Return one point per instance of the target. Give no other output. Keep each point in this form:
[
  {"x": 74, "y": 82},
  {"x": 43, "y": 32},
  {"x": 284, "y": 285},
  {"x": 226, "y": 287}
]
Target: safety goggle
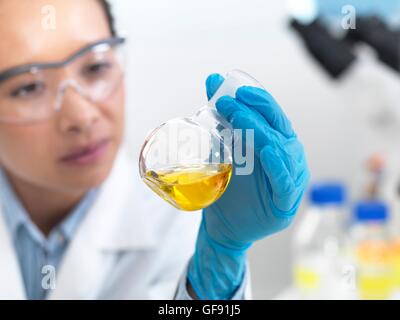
[{"x": 34, "y": 92}]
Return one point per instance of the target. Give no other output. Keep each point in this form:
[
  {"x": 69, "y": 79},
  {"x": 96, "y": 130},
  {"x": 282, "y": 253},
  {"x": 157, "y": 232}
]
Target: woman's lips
[{"x": 87, "y": 154}]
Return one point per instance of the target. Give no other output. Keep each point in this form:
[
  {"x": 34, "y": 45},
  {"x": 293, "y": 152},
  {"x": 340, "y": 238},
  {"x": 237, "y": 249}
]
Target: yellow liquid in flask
[{"x": 190, "y": 187}]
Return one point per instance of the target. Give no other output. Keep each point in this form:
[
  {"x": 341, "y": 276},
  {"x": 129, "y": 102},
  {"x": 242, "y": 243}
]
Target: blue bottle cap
[
  {"x": 328, "y": 193},
  {"x": 371, "y": 210}
]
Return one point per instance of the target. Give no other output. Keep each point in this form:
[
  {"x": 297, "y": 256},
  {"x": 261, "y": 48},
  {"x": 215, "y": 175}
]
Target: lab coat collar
[{"x": 10, "y": 276}]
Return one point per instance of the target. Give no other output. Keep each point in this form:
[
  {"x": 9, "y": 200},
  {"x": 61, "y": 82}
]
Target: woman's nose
[{"x": 77, "y": 114}]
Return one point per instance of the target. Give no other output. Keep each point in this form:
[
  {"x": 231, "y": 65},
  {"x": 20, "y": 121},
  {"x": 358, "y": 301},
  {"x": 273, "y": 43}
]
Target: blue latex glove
[{"x": 253, "y": 206}]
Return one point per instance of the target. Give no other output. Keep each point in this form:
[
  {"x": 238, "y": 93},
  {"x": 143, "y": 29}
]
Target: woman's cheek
[{"x": 26, "y": 149}]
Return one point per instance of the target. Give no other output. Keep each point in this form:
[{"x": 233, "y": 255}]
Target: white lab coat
[{"x": 130, "y": 245}]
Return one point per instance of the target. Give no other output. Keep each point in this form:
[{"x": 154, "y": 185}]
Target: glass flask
[{"x": 188, "y": 161}]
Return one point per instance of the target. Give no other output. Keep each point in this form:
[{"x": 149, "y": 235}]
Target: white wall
[{"x": 175, "y": 44}]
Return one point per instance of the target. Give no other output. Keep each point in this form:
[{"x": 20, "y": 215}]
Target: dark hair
[{"x": 110, "y": 18}]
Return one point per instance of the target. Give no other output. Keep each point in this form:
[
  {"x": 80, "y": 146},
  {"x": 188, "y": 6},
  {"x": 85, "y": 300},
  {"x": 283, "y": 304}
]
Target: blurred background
[{"x": 338, "y": 83}]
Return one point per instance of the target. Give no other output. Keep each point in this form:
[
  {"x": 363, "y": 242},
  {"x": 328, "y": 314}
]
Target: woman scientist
[{"x": 76, "y": 221}]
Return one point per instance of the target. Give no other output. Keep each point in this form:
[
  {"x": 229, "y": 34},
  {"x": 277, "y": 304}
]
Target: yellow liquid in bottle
[
  {"x": 190, "y": 187},
  {"x": 375, "y": 274}
]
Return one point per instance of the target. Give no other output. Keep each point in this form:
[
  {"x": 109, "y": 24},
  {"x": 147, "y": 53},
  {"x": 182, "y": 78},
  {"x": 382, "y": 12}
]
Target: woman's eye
[
  {"x": 27, "y": 90},
  {"x": 97, "y": 68}
]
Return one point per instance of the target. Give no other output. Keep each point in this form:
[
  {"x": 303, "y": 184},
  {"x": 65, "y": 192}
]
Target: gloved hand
[{"x": 253, "y": 206}]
